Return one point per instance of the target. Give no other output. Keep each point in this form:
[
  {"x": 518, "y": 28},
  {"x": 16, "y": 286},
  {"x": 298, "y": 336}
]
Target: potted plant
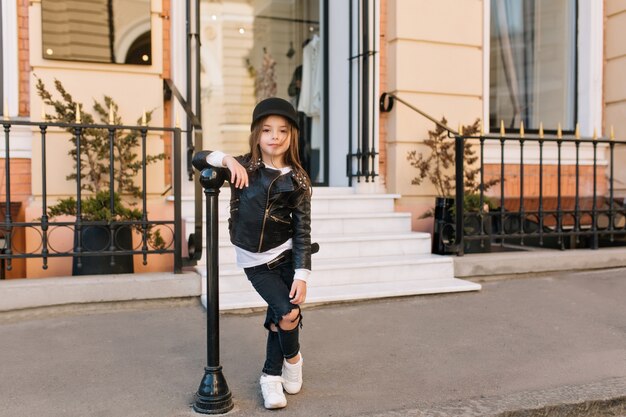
[
  {"x": 438, "y": 168},
  {"x": 95, "y": 174}
]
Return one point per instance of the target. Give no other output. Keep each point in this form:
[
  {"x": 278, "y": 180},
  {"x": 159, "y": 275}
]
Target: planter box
[
  {"x": 98, "y": 238},
  {"x": 444, "y": 229}
]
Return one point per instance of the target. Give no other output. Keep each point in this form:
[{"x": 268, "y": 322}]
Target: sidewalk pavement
[{"x": 517, "y": 344}]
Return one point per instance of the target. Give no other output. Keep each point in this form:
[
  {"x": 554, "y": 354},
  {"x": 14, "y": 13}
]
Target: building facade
[{"x": 463, "y": 60}]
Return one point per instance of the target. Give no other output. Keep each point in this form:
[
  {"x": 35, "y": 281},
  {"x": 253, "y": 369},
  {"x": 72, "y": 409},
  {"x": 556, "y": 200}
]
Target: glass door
[{"x": 256, "y": 49}]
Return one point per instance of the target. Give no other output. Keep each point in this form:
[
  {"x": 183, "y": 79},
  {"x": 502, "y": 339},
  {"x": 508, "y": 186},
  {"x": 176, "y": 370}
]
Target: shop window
[
  {"x": 533, "y": 63},
  {"x": 109, "y": 31},
  {"x": 257, "y": 50}
]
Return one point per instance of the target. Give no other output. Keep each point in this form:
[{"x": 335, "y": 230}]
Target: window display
[{"x": 257, "y": 49}]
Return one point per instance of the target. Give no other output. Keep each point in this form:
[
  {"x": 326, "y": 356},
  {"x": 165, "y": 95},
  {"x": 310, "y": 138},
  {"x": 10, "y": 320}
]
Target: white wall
[{"x": 339, "y": 50}]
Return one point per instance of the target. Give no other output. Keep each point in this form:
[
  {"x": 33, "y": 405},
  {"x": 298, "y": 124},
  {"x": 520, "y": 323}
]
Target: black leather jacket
[{"x": 272, "y": 209}]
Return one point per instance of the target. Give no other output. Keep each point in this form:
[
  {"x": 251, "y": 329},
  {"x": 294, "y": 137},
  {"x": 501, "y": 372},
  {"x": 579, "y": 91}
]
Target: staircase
[{"x": 366, "y": 251}]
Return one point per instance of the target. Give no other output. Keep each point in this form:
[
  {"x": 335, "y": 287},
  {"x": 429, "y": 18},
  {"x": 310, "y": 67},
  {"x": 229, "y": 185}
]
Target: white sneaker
[
  {"x": 272, "y": 389},
  {"x": 292, "y": 376}
]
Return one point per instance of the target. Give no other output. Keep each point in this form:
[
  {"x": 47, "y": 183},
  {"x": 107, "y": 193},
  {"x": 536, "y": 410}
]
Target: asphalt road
[{"x": 515, "y": 344}]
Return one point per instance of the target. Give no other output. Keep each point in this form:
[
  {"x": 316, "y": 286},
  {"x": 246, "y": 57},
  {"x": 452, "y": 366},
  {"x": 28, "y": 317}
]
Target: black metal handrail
[
  {"x": 387, "y": 100},
  {"x": 45, "y": 226},
  {"x": 385, "y": 104},
  {"x": 194, "y": 243}
]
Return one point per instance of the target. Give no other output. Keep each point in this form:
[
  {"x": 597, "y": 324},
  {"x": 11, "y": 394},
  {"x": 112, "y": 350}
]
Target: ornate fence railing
[
  {"x": 563, "y": 200},
  {"x": 552, "y": 190},
  {"x": 150, "y": 236}
]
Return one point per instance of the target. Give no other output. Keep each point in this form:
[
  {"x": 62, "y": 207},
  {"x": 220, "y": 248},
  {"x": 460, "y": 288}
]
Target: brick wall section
[
  {"x": 20, "y": 179},
  {"x": 167, "y": 71},
  {"x": 550, "y": 183},
  {"x": 382, "y": 127},
  {"x": 23, "y": 58}
]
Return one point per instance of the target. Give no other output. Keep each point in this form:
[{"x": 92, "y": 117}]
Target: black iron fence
[
  {"x": 151, "y": 237},
  {"x": 564, "y": 200},
  {"x": 567, "y": 202}
]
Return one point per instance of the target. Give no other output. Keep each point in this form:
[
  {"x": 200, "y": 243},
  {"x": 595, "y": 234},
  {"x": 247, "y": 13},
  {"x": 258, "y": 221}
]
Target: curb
[
  {"x": 611, "y": 407},
  {"x": 537, "y": 261},
  {"x": 587, "y": 400},
  {"x": 23, "y": 294}
]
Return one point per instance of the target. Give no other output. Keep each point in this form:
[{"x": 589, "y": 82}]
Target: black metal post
[
  {"x": 372, "y": 54},
  {"x": 213, "y": 396},
  {"x": 178, "y": 252},
  {"x": 44, "y": 203},
  {"x": 8, "y": 222},
  {"x": 541, "y": 191},
  {"x": 112, "y": 227},
  {"x": 144, "y": 200},
  {"x": 612, "y": 152},
  {"x": 577, "y": 198},
  {"x": 459, "y": 148},
  {"x": 522, "y": 214},
  {"x": 594, "y": 210},
  {"x": 481, "y": 210},
  {"x": 350, "y": 65},
  {"x": 365, "y": 81},
  {"x": 79, "y": 213},
  {"x": 559, "y": 213},
  {"x": 188, "y": 96},
  {"x": 502, "y": 189}
]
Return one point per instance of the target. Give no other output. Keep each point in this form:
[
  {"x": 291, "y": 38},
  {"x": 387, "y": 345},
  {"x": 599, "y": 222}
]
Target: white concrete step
[
  {"x": 322, "y": 202},
  {"x": 354, "y": 203},
  {"x": 353, "y": 279},
  {"x": 322, "y": 294},
  {"x": 353, "y": 271},
  {"x": 366, "y": 251},
  {"x": 332, "y": 224},
  {"x": 349, "y": 246}
]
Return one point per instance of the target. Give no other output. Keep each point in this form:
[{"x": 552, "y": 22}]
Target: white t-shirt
[{"x": 247, "y": 259}]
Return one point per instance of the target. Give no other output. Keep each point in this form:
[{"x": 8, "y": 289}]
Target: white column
[
  {"x": 179, "y": 77},
  {"x": 590, "y": 61},
  {"x": 20, "y": 135},
  {"x": 338, "y": 116},
  {"x": 10, "y": 73}
]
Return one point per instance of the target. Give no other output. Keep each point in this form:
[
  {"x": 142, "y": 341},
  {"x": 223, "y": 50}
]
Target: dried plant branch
[{"x": 437, "y": 166}]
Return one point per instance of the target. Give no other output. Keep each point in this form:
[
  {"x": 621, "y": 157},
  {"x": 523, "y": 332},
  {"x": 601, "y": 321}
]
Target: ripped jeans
[{"x": 274, "y": 285}]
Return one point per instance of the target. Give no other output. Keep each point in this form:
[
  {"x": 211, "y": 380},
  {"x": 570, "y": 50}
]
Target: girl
[{"x": 270, "y": 226}]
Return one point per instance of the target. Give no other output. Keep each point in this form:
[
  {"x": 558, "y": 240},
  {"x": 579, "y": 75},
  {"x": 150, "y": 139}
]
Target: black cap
[{"x": 275, "y": 106}]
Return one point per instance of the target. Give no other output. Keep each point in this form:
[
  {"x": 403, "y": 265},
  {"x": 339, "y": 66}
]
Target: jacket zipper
[
  {"x": 267, "y": 211},
  {"x": 276, "y": 219}
]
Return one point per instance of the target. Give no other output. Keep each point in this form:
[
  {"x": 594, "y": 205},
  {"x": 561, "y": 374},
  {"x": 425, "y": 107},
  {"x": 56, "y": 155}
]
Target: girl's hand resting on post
[
  {"x": 298, "y": 292},
  {"x": 238, "y": 174}
]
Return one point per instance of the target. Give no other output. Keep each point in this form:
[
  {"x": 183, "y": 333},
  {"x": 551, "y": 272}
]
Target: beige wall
[
  {"x": 133, "y": 87},
  {"x": 435, "y": 62},
  {"x": 615, "y": 81}
]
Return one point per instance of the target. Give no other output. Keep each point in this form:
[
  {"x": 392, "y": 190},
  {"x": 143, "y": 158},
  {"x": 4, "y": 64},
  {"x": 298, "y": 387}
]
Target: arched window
[{"x": 140, "y": 51}]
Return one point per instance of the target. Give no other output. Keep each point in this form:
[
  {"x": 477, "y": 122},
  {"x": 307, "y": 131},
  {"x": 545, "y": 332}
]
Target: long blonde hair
[{"x": 292, "y": 157}]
